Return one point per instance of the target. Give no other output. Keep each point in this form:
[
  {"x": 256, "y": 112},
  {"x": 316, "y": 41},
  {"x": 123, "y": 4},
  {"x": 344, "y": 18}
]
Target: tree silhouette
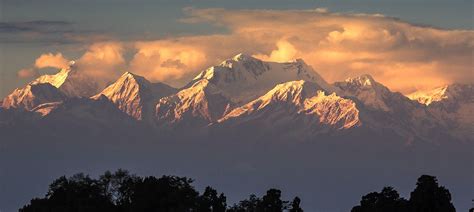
[
  {"x": 429, "y": 196},
  {"x": 295, "y": 205},
  {"x": 168, "y": 193},
  {"x": 472, "y": 209},
  {"x": 209, "y": 201},
  {"x": 271, "y": 202},
  {"x": 123, "y": 192},
  {"x": 387, "y": 200},
  {"x": 119, "y": 187},
  {"x": 246, "y": 205},
  {"x": 76, "y": 194}
]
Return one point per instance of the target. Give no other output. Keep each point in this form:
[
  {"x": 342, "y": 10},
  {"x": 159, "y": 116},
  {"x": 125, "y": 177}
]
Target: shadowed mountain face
[{"x": 267, "y": 123}]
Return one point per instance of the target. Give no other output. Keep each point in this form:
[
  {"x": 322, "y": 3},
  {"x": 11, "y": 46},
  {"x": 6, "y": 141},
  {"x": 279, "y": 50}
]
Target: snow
[
  {"x": 452, "y": 105},
  {"x": 243, "y": 77},
  {"x": 135, "y": 95},
  {"x": 56, "y": 80},
  {"x": 429, "y": 97},
  {"x": 247, "y": 91},
  {"x": 303, "y": 101},
  {"x": 201, "y": 103},
  {"x": 367, "y": 90},
  {"x": 234, "y": 82},
  {"x": 31, "y": 96},
  {"x": 71, "y": 82}
]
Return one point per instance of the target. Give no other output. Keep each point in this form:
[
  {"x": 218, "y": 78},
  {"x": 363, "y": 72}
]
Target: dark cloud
[
  {"x": 42, "y": 26},
  {"x": 47, "y": 32}
]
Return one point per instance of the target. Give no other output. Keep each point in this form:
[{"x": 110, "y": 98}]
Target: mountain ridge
[{"x": 244, "y": 89}]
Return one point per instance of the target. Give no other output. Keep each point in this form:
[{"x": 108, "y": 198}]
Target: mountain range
[{"x": 247, "y": 96}]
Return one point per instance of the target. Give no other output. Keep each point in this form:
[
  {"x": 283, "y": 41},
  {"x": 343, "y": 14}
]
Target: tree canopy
[
  {"x": 428, "y": 196},
  {"x": 123, "y": 192}
]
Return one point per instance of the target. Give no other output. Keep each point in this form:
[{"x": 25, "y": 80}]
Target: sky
[{"x": 406, "y": 45}]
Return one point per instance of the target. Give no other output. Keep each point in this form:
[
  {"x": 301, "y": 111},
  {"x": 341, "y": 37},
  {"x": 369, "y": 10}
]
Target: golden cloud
[
  {"x": 103, "y": 61},
  {"x": 166, "y": 61},
  {"x": 50, "y": 60},
  {"x": 339, "y": 45},
  {"x": 403, "y": 56},
  {"x": 285, "y": 52}
]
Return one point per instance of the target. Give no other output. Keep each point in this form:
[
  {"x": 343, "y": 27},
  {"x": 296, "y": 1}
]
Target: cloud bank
[
  {"x": 401, "y": 55},
  {"x": 50, "y": 60},
  {"x": 104, "y": 60},
  {"x": 46, "y": 60}
]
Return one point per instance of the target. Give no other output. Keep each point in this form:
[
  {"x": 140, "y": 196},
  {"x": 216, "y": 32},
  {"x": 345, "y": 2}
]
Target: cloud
[
  {"x": 46, "y": 60},
  {"x": 176, "y": 61},
  {"x": 27, "y": 73},
  {"x": 402, "y": 55},
  {"x": 48, "y": 32},
  {"x": 51, "y": 60},
  {"x": 103, "y": 61},
  {"x": 166, "y": 61},
  {"x": 285, "y": 52},
  {"x": 38, "y": 25}
]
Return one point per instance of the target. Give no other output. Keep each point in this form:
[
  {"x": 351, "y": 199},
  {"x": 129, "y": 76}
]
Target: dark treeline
[
  {"x": 428, "y": 196},
  {"x": 124, "y": 192}
]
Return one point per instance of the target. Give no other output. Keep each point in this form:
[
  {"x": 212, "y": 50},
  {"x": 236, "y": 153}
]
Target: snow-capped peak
[
  {"x": 293, "y": 91},
  {"x": 135, "y": 95},
  {"x": 196, "y": 106},
  {"x": 71, "y": 82},
  {"x": 452, "y": 105},
  {"x": 55, "y": 80},
  {"x": 367, "y": 90},
  {"x": 243, "y": 77},
  {"x": 243, "y": 57},
  {"x": 297, "y": 103},
  {"x": 443, "y": 93},
  {"x": 32, "y": 95},
  {"x": 365, "y": 80},
  {"x": 131, "y": 78}
]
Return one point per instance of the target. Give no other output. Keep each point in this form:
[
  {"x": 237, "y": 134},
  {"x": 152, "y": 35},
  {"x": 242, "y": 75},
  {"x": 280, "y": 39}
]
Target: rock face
[{"x": 135, "y": 95}]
